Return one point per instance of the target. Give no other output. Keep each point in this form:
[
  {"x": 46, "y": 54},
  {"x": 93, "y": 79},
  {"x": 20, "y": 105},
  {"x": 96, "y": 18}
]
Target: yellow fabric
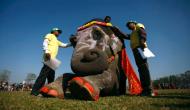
[
  {"x": 53, "y": 44},
  {"x": 94, "y": 22},
  {"x": 97, "y": 22},
  {"x": 134, "y": 38},
  {"x": 140, "y": 25},
  {"x": 109, "y": 24}
]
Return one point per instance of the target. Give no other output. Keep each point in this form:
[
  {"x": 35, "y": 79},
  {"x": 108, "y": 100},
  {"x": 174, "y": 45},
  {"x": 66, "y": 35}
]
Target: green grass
[{"x": 166, "y": 100}]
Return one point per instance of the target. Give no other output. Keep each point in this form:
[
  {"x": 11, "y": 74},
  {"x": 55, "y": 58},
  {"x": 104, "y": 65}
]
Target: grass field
[{"x": 166, "y": 100}]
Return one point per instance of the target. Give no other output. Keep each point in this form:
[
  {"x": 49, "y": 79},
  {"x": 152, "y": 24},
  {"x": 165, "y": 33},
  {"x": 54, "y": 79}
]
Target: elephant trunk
[{"x": 89, "y": 62}]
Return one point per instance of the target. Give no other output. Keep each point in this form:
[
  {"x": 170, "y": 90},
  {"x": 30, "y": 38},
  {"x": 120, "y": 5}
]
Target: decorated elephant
[{"x": 99, "y": 62}]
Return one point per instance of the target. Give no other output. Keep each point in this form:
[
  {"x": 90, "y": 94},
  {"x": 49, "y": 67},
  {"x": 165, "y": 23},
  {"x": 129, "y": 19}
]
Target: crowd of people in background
[
  {"x": 170, "y": 85},
  {"x": 6, "y": 86},
  {"x": 165, "y": 86},
  {"x": 178, "y": 81}
]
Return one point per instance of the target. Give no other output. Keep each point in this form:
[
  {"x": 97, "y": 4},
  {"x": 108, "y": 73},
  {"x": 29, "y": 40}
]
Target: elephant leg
[
  {"x": 107, "y": 82},
  {"x": 82, "y": 88},
  {"x": 91, "y": 87},
  {"x": 122, "y": 84},
  {"x": 66, "y": 78}
]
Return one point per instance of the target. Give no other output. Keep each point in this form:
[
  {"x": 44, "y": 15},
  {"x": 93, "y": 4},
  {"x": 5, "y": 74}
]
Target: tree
[
  {"x": 5, "y": 75},
  {"x": 30, "y": 77}
]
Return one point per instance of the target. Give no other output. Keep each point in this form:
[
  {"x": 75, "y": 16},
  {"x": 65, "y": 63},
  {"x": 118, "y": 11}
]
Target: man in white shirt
[{"x": 50, "y": 46}]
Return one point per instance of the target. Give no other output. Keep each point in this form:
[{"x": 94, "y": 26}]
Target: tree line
[{"x": 178, "y": 81}]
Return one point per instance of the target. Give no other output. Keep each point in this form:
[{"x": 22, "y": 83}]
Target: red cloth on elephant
[{"x": 135, "y": 87}]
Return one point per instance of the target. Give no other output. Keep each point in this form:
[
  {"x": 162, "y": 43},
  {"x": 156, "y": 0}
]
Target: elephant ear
[{"x": 115, "y": 44}]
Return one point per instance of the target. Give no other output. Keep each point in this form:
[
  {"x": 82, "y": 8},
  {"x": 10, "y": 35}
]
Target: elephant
[{"x": 96, "y": 62}]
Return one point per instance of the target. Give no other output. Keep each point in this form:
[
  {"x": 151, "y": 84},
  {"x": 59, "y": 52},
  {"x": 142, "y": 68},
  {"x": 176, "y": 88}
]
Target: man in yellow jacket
[
  {"x": 138, "y": 41},
  {"x": 50, "y": 46}
]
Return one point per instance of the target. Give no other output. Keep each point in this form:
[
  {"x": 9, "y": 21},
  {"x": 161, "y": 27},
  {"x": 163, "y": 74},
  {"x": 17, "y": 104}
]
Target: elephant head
[{"x": 94, "y": 46}]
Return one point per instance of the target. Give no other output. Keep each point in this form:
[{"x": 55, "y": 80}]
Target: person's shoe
[
  {"x": 34, "y": 94},
  {"x": 145, "y": 93},
  {"x": 39, "y": 95},
  {"x": 151, "y": 94},
  {"x": 154, "y": 93}
]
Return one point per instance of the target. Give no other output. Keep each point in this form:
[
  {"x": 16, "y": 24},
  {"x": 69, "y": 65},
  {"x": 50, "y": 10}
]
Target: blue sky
[{"x": 23, "y": 23}]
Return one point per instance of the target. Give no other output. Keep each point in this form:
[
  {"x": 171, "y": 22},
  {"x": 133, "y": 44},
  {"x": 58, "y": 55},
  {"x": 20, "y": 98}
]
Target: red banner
[{"x": 135, "y": 87}]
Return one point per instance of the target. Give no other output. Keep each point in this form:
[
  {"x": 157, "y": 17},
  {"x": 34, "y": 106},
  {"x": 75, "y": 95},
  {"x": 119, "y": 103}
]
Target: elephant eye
[{"x": 97, "y": 35}]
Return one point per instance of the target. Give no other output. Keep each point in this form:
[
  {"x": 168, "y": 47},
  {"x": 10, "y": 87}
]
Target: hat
[
  {"x": 56, "y": 29},
  {"x": 140, "y": 25},
  {"x": 130, "y": 22}
]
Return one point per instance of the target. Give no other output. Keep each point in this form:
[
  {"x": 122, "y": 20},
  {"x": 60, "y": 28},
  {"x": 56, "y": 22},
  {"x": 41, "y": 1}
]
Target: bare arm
[{"x": 64, "y": 45}]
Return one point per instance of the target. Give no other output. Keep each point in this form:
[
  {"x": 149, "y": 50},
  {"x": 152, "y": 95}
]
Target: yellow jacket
[
  {"x": 51, "y": 45},
  {"x": 136, "y": 36}
]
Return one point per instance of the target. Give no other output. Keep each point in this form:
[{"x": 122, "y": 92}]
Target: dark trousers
[
  {"x": 144, "y": 73},
  {"x": 46, "y": 72}
]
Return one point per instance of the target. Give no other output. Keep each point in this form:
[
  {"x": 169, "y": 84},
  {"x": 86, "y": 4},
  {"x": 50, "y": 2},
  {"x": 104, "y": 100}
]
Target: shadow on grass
[
  {"x": 69, "y": 96},
  {"x": 173, "y": 106},
  {"x": 173, "y": 96}
]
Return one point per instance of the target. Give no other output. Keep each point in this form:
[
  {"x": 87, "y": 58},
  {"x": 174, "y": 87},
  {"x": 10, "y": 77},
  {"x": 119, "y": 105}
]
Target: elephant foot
[
  {"x": 82, "y": 89},
  {"x": 47, "y": 92}
]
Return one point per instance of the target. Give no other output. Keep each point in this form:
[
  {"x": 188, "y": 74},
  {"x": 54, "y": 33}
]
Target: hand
[
  {"x": 73, "y": 40},
  {"x": 47, "y": 56},
  {"x": 112, "y": 58},
  {"x": 143, "y": 43}
]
